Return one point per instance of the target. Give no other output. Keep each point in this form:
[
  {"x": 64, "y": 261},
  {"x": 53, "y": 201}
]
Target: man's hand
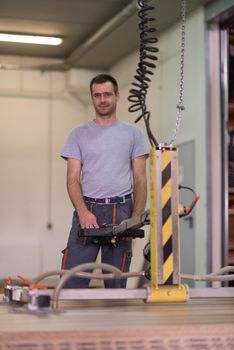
[{"x": 88, "y": 220}]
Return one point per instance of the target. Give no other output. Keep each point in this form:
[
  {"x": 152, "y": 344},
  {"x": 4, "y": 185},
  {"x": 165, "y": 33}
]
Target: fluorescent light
[{"x": 30, "y": 39}]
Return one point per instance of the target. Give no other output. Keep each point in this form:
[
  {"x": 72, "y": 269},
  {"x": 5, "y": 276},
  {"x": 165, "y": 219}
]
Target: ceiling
[{"x": 96, "y": 33}]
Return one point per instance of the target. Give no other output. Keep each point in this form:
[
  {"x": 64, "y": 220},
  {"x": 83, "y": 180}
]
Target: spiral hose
[{"x": 145, "y": 66}]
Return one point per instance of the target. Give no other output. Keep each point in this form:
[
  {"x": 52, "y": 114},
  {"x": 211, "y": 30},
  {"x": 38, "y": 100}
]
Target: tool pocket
[
  {"x": 64, "y": 258},
  {"x": 126, "y": 261}
]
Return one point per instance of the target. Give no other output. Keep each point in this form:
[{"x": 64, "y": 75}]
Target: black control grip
[{"x": 108, "y": 232}]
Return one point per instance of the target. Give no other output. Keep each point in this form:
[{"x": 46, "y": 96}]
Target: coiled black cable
[{"x": 145, "y": 68}]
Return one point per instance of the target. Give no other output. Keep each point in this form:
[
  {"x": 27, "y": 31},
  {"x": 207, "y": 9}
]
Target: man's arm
[
  {"x": 87, "y": 219},
  {"x": 139, "y": 185}
]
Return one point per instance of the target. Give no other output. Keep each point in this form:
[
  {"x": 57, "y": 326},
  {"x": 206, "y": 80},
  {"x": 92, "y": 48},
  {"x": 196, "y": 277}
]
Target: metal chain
[{"x": 180, "y": 106}]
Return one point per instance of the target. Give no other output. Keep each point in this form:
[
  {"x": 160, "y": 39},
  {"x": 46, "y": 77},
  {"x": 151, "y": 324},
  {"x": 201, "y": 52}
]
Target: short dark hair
[{"x": 103, "y": 78}]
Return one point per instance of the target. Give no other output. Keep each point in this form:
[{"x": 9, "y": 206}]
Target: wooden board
[{"x": 115, "y": 325}]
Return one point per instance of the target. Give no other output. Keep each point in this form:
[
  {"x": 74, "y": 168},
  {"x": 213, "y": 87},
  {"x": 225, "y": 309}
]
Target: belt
[{"x": 112, "y": 200}]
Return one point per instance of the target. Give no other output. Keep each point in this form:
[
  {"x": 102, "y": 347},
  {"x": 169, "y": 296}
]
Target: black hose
[{"x": 145, "y": 68}]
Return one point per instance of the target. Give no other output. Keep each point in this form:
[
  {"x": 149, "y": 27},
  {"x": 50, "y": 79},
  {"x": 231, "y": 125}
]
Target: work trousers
[{"x": 82, "y": 250}]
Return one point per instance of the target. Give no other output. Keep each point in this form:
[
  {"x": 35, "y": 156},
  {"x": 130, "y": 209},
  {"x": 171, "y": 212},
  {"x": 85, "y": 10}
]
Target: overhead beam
[{"x": 102, "y": 32}]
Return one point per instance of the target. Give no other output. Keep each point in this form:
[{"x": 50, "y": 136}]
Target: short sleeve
[
  {"x": 71, "y": 148},
  {"x": 141, "y": 144}
]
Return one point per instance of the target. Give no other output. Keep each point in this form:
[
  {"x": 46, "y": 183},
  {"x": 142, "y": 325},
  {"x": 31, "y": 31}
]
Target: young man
[{"x": 106, "y": 181}]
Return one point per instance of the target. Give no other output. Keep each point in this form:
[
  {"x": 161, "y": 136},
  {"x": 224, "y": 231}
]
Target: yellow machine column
[{"x": 164, "y": 227}]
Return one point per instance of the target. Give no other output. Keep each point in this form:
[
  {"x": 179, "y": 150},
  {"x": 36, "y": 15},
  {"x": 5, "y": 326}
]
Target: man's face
[{"x": 104, "y": 99}]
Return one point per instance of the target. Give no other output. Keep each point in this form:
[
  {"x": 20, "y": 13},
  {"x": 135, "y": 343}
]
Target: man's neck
[{"x": 105, "y": 121}]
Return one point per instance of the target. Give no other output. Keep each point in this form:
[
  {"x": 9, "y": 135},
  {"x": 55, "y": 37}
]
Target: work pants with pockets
[{"x": 82, "y": 250}]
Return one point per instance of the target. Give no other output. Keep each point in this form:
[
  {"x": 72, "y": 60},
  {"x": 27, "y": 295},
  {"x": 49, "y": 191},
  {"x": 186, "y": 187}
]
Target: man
[{"x": 106, "y": 167}]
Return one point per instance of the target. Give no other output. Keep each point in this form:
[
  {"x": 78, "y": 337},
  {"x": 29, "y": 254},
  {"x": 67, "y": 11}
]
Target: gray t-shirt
[{"x": 106, "y": 153}]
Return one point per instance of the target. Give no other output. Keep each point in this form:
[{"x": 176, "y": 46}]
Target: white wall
[{"x": 33, "y": 129}]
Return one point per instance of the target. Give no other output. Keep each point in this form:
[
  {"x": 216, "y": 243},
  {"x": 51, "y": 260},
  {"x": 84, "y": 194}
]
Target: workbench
[{"x": 202, "y": 323}]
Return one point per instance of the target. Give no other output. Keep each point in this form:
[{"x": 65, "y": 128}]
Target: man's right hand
[{"x": 88, "y": 220}]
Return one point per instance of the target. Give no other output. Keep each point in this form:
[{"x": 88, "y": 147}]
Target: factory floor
[{"x": 202, "y": 323}]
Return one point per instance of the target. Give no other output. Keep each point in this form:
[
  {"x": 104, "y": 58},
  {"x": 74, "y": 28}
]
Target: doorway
[
  {"x": 186, "y": 162},
  {"x": 221, "y": 139},
  {"x": 229, "y": 134}
]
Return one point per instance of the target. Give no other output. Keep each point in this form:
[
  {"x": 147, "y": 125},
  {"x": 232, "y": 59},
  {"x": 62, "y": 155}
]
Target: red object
[
  {"x": 37, "y": 286},
  {"x": 9, "y": 281},
  {"x": 24, "y": 280}
]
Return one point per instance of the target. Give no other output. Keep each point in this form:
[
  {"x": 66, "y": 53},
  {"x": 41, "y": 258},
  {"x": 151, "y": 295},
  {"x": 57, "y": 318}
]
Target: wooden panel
[
  {"x": 115, "y": 325},
  {"x": 176, "y": 337}
]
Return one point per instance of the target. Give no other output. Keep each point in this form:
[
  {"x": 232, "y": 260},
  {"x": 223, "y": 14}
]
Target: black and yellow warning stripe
[
  {"x": 164, "y": 227},
  {"x": 167, "y": 241}
]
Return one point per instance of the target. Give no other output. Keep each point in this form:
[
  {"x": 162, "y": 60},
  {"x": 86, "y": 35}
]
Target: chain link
[{"x": 180, "y": 106}]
